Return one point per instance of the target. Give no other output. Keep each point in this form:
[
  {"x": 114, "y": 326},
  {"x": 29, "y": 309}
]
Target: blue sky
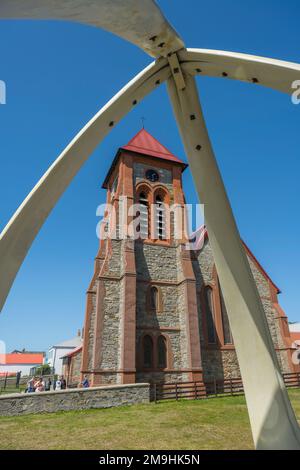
[{"x": 59, "y": 74}]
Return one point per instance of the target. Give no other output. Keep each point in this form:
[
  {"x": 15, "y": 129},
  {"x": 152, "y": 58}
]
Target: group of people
[{"x": 39, "y": 384}]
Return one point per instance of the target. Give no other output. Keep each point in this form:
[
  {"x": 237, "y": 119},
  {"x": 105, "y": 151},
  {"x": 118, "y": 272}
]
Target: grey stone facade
[
  {"x": 160, "y": 266},
  {"x": 180, "y": 279}
]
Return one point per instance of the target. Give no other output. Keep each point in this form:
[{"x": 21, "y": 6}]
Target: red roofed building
[
  {"x": 19, "y": 362},
  {"x": 155, "y": 310}
]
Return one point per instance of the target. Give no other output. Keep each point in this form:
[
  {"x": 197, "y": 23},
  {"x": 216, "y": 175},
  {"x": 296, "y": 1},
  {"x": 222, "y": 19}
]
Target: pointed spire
[{"x": 146, "y": 144}]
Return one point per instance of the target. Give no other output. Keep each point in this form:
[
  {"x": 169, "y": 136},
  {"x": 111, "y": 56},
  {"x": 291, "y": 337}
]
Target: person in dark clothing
[
  {"x": 85, "y": 382},
  {"x": 18, "y": 376},
  {"x": 63, "y": 383},
  {"x": 48, "y": 385}
]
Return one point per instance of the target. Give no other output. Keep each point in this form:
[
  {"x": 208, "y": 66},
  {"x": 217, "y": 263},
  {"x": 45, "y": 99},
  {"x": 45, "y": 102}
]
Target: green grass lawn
[
  {"x": 9, "y": 390},
  {"x": 220, "y": 423}
]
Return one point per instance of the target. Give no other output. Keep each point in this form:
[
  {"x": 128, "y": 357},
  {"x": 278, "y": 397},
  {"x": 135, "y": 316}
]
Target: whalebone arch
[{"x": 273, "y": 421}]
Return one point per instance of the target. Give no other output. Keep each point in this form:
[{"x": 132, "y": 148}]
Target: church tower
[{"x": 141, "y": 322}]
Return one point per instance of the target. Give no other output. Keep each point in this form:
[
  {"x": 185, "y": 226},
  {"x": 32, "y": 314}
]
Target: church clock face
[{"x": 152, "y": 176}]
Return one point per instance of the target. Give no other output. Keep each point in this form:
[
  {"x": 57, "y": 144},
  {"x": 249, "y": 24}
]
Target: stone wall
[
  {"x": 155, "y": 262},
  {"x": 79, "y": 399},
  {"x": 160, "y": 377},
  {"x": 181, "y": 306},
  {"x": 165, "y": 176},
  {"x": 92, "y": 326},
  {"x": 110, "y": 341},
  {"x": 75, "y": 369},
  {"x": 220, "y": 364},
  {"x": 167, "y": 317},
  {"x": 159, "y": 264}
]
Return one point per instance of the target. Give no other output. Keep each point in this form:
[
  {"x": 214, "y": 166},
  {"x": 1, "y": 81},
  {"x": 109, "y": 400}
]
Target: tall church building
[{"x": 155, "y": 310}]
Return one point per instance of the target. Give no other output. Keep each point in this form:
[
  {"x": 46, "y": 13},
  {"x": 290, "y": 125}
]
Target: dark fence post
[
  {"x": 5, "y": 381},
  {"x": 176, "y": 391},
  {"x": 196, "y": 394},
  {"x": 155, "y": 394},
  {"x": 231, "y": 390},
  {"x": 215, "y": 387}
]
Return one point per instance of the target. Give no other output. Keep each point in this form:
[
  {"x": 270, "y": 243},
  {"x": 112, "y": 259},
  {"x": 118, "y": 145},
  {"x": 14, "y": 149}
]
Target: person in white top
[{"x": 58, "y": 384}]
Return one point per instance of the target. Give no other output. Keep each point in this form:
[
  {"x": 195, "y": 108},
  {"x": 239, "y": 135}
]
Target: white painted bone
[
  {"x": 273, "y": 422},
  {"x": 271, "y": 73},
  {"x": 18, "y": 235},
  {"x": 140, "y": 21}
]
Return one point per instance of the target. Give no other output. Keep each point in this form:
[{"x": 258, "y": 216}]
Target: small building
[
  {"x": 20, "y": 362},
  {"x": 71, "y": 367},
  {"x": 58, "y": 351}
]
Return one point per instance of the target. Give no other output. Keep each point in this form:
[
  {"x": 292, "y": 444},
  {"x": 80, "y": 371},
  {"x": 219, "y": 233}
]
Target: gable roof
[
  {"x": 17, "y": 358},
  {"x": 144, "y": 143},
  {"x": 73, "y": 353},
  {"x": 202, "y": 235},
  {"x": 69, "y": 343}
]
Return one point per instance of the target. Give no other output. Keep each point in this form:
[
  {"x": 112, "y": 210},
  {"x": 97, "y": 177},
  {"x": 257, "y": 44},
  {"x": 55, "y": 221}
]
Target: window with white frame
[
  {"x": 143, "y": 227},
  {"x": 160, "y": 219}
]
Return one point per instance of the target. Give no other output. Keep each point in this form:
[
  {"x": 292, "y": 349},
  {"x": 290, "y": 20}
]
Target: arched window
[
  {"x": 154, "y": 298},
  {"x": 148, "y": 352},
  {"x": 225, "y": 320},
  {"x": 161, "y": 352},
  {"x": 142, "y": 228},
  {"x": 160, "y": 219},
  {"x": 114, "y": 186},
  {"x": 210, "y": 316}
]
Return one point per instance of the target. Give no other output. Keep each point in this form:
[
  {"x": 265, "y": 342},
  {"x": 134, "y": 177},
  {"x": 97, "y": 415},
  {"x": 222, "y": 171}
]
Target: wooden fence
[
  {"x": 214, "y": 388},
  {"x": 11, "y": 383}
]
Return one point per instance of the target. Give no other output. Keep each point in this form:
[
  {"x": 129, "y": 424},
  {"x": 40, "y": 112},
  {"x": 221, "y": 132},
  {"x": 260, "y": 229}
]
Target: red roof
[
  {"x": 73, "y": 353},
  {"x": 21, "y": 358},
  {"x": 146, "y": 144}
]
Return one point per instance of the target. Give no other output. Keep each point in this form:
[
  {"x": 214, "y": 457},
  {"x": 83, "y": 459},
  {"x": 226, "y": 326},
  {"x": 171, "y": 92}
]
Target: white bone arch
[
  {"x": 271, "y": 73},
  {"x": 21, "y": 230},
  {"x": 273, "y": 422},
  {"x": 138, "y": 21}
]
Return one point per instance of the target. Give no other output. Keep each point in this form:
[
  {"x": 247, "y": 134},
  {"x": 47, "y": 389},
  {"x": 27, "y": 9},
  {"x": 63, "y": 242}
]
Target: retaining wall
[{"x": 76, "y": 399}]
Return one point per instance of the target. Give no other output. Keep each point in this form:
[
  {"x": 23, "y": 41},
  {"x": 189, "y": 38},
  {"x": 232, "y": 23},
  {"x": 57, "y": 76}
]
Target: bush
[{"x": 45, "y": 369}]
